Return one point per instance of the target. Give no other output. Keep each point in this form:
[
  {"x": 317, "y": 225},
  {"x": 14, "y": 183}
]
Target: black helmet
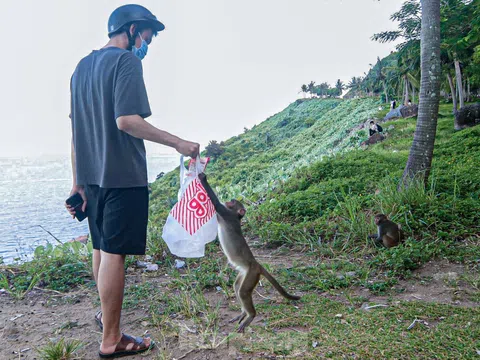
[{"x": 127, "y": 14}]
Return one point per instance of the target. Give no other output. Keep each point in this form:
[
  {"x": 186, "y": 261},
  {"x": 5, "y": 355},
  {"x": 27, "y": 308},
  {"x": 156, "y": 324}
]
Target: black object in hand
[{"x": 76, "y": 202}]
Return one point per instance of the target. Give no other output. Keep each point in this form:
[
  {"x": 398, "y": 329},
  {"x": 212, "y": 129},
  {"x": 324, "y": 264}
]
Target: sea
[{"x": 32, "y": 196}]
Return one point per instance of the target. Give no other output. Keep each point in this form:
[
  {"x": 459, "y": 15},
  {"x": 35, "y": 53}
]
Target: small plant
[
  {"x": 60, "y": 350},
  {"x": 309, "y": 122}
]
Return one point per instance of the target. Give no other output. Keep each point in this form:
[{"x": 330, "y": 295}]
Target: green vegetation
[
  {"x": 60, "y": 350},
  {"x": 398, "y": 75}
]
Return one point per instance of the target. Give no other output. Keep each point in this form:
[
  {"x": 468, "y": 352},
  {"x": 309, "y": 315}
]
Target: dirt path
[{"x": 26, "y": 325}]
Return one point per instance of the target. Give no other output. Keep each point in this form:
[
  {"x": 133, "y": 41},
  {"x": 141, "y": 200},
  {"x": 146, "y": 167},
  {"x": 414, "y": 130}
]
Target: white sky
[{"x": 219, "y": 66}]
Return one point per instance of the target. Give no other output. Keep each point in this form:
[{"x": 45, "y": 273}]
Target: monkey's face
[
  {"x": 379, "y": 218},
  {"x": 236, "y": 207}
]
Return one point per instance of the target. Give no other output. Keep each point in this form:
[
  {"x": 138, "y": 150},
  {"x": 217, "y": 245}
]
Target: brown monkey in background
[
  {"x": 238, "y": 252},
  {"x": 389, "y": 233}
]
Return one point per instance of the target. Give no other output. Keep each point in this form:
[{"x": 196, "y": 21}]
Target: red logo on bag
[{"x": 194, "y": 209}]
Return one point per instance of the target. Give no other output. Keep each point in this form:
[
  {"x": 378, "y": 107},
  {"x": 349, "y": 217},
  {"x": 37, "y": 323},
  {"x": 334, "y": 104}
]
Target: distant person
[
  {"x": 409, "y": 102},
  {"x": 108, "y": 106},
  {"x": 374, "y": 128},
  {"x": 394, "y": 104}
]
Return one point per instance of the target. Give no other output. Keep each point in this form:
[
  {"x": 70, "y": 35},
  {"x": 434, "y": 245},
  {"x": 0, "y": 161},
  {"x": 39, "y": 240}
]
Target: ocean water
[{"x": 32, "y": 196}]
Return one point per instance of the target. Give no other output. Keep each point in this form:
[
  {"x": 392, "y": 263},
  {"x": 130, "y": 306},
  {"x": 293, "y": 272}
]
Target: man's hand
[
  {"x": 81, "y": 191},
  {"x": 188, "y": 148}
]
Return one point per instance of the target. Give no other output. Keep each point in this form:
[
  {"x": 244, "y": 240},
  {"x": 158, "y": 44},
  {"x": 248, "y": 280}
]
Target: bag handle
[
  {"x": 198, "y": 167},
  {"x": 182, "y": 169}
]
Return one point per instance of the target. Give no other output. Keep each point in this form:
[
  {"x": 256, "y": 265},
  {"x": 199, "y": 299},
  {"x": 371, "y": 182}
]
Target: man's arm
[
  {"x": 75, "y": 187},
  {"x": 219, "y": 207},
  {"x": 74, "y": 167},
  {"x": 136, "y": 126}
]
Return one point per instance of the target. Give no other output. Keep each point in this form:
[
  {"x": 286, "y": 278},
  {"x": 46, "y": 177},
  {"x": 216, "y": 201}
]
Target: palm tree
[
  {"x": 340, "y": 86},
  {"x": 311, "y": 87},
  {"x": 304, "y": 89},
  {"x": 421, "y": 153}
]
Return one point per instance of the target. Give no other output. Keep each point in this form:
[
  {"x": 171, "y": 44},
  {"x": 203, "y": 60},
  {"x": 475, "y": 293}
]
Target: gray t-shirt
[{"x": 108, "y": 84}]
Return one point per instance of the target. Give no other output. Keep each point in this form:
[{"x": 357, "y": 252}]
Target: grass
[
  {"x": 61, "y": 350},
  {"x": 322, "y": 328},
  {"x": 312, "y": 193}
]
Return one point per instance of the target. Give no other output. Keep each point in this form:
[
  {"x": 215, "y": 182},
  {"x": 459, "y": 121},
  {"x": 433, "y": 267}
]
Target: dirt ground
[{"x": 26, "y": 325}]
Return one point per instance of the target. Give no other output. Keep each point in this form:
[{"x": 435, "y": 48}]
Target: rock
[
  {"x": 409, "y": 111},
  {"x": 340, "y": 277},
  {"x": 152, "y": 267},
  {"x": 179, "y": 264},
  {"x": 339, "y": 316},
  {"x": 142, "y": 264},
  {"x": 402, "y": 112},
  {"x": 393, "y": 114},
  {"x": 351, "y": 274},
  {"x": 446, "y": 276},
  {"x": 375, "y": 138},
  {"x": 3, "y": 291},
  {"x": 467, "y": 116}
]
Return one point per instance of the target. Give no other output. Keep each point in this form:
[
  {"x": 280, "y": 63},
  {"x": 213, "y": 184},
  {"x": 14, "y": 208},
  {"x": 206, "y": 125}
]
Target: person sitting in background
[{"x": 374, "y": 128}]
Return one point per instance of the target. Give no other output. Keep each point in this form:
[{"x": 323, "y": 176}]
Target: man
[
  {"x": 374, "y": 128},
  {"x": 108, "y": 106}
]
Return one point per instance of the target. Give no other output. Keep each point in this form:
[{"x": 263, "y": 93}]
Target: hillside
[
  {"x": 311, "y": 192},
  {"x": 256, "y": 162}
]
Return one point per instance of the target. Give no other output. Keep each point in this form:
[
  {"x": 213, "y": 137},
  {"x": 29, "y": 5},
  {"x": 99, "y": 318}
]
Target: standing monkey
[
  {"x": 389, "y": 233},
  {"x": 239, "y": 255}
]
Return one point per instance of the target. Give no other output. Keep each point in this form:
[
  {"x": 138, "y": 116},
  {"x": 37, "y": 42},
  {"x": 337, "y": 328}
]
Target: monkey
[
  {"x": 389, "y": 233},
  {"x": 240, "y": 256}
]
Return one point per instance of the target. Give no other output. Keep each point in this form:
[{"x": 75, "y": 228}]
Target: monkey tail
[{"x": 277, "y": 286}]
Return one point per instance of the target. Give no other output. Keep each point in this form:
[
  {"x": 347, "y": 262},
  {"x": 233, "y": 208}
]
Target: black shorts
[{"x": 118, "y": 219}]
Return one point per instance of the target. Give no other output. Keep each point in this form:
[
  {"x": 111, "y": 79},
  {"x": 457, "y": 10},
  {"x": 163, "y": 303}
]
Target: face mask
[{"x": 140, "y": 52}]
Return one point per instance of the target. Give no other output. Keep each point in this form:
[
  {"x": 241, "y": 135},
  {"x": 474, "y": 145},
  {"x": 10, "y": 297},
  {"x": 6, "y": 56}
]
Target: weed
[{"x": 60, "y": 350}]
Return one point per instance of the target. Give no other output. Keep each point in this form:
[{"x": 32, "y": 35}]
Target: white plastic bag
[{"x": 192, "y": 222}]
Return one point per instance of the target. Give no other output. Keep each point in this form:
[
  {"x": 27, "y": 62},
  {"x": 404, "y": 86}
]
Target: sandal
[
  {"x": 128, "y": 345},
  {"x": 98, "y": 319}
]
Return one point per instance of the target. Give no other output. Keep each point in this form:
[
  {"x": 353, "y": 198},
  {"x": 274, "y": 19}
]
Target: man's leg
[
  {"x": 96, "y": 258},
  {"x": 124, "y": 225},
  {"x": 111, "y": 282}
]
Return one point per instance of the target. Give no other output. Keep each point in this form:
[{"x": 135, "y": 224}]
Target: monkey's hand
[{"x": 202, "y": 177}]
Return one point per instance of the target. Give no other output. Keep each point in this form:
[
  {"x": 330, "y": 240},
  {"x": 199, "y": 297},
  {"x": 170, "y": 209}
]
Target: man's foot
[
  {"x": 128, "y": 345},
  {"x": 98, "y": 320}
]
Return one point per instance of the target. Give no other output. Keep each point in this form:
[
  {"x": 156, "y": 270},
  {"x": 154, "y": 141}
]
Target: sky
[{"x": 218, "y": 67}]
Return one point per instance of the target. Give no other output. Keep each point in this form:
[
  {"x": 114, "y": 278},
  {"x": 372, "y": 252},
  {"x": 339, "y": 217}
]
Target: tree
[
  {"x": 340, "y": 86},
  {"x": 311, "y": 87},
  {"x": 304, "y": 89},
  {"x": 421, "y": 153},
  {"x": 214, "y": 149}
]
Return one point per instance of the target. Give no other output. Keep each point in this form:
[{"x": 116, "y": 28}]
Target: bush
[{"x": 214, "y": 149}]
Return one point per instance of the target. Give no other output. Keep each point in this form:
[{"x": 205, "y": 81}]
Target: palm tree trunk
[
  {"x": 413, "y": 94},
  {"x": 386, "y": 91},
  {"x": 406, "y": 91},
  {"x": 452, "y": 90},
  {"x": 458, "y": 75},
  {"x": 468, "y": 90},
  {"x": 421, "y": 153}
]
